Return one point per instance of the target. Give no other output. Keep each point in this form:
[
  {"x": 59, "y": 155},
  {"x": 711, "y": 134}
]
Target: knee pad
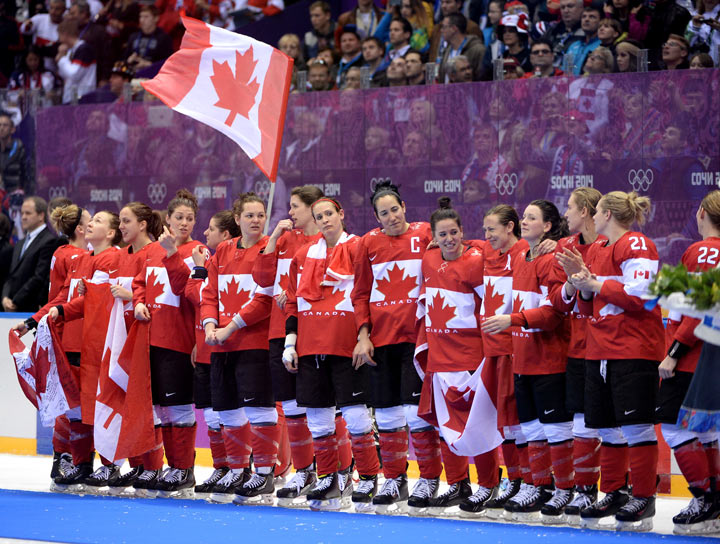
[
  {"x": 708, "y": 437},
  {"x": 558, "y": 432},
  {"x": 414, "y": 421},
  {"x": 74, "y": 414},
  {"x": 290, "y": 408},
  {"x": 234, "y": 418},
  {"x": 675, "y": 435},
  {"x": 157, "y": 415},
  {"x": 260, "y": 415},
  {"x": 580, "y": 430},
  {"x": 357, "y": 418},
  {"x": 162, "y": 414},
  {"x": 212, "y": 418},
  {"x": 181, "y": 415},
  {"x": 321, "y": 421},
  {"x": 533, "y": 430},
  {"x": 612, "y": 435},
  {"x": 637, "y": 434},
  {"x": 390, "y": 418},
  {"x": 514, "y": 432}
]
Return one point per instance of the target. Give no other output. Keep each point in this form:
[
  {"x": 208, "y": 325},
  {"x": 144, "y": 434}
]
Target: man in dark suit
[{"x": 26, "y": 287}]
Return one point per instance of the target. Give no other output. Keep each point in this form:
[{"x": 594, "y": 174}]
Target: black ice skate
[
  {"x": 125, "y": 480},
  {"x": 526, "y": 505},
  {"x": 442, "y": 505},
  {"x": 205, "y": 489},
  {"x": 474, "y": 505},
  {"x": 177, "y": 483},
  {"x": 362, "y": 496},
  {"x": 636, "y": 515},
  {"x": 258, "y": 489},
  {"x": 592, "y": 516},
  {"x": 146, "y": 484},
  {"x": 495, "y": 507},
  {"x": 104, "y": 476},
  {"x": 227, "y": 486},
  {"x": 73, "y": 481},
  {"x": 326, "y": 494},
  {"x": 698, "y": 517},
  {"x": 62, "y": 465},
  {"x": 419, "y": 500},
  {"x": 553, "y": 511},
  {"x": 294, "y": 493},
  {"x": 392, "y": 499}
]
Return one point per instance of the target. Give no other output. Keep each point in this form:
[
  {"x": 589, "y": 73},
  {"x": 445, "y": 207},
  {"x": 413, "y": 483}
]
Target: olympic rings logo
[
  {"x": 55, "y": 192},
  {"x": 506, "y": 183},
  {"x": 640, "y": 179},
  {"x": 262, "y": 188},
  {"x": 157, "y": 192},
  {"x": 374, "y": 182}
]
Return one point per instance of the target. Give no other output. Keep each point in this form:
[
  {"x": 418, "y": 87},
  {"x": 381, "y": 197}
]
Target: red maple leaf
[
  {"x": 493, "y": 300},
  {"x": 154, "y": 286},
  {"x": 233, "y": 298},
  {"x": 395, "y": 287},
  {"x": 460, "y": 412},
  {"x": 330, "y": 300},
  {"x": 235, "y": 92},
  {"x": 284, "y": 281},
  {"x": 440, "y": 313},
  {"x": 517, "y": 304}
]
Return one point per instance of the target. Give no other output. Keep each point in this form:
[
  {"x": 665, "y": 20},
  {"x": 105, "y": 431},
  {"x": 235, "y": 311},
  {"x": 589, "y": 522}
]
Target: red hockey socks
[
  {"x": 344, "y": 446},
  {"x": 512, "y": 459},
  {"x": 217, "y": 448},
  {"x": 394, "y": 452},
  {"x": 169, "y": 443},
  {"x": 456, "y": 466},
  {"x": 81, "y": 442},
  {"x": 488, "y": 468},
  {"x": 613, "y": 467},
  {"x": 524, "y": 456},
  {"x": 540, "y": 462},
  {"x": 586, "y": 458},
  {"x": 561, "y": 454},
  {"x": 135, "y": 461},
  {"x": 365, "y": 454},
  {"x": 153, "y": 459},
  {"x": 184, "y": 446},
  {"x": 693, "y": 464},
  {"x": 237, "y": 445},
  {"x": 283, "y": 455},
  {"x": 713, "y": 459},
  {"x": 265, "y": 444},
  {"x": 61, "y": 435},
  {"x": 643, "y": 469},
  {"x": 326, "y": 454},
  {"x": 301, "y": 441},
  {"x": 427, "y": 452}
]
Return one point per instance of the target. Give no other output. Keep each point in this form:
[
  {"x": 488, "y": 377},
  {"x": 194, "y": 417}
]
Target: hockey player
[
  {"x": 236, "y": 317},
  {"x": 387, "y": 284},
  {"x": 696, "y": 453},
  {"x": 539, "y": 337},
  {"x": 623, "y": 350},
  {"x": 319, "y": 346}
]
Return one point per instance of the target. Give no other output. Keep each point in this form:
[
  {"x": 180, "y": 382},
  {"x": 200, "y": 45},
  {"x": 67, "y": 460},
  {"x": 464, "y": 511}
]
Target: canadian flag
[{"x": 233, "y": 83}]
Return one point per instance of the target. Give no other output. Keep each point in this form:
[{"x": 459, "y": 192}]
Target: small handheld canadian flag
[{"x": 233, "y": 83}]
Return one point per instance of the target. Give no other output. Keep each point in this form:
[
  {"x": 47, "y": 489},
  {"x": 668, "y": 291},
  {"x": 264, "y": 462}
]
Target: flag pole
[{"x": 269, "y": 206}]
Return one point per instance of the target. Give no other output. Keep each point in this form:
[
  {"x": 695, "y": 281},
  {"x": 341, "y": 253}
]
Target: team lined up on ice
[{"x": 533, "y": 342}]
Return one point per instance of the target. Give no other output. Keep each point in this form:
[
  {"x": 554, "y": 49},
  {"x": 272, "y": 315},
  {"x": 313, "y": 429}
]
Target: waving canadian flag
[{"x": 233, "y": 83}]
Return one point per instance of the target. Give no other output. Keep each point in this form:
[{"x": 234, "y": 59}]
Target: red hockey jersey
[
  {"x": 60, "y": 265},
  {"x": 540, "y": 331},
  {"x": 129, "y": 265},
  {"x": 699, "y": 256},
  {"x": 325, "y": 326},
  {"x": 101, "y": 267},
  {"x": 172, "y": 317},
  {"x": 497, "y": 278},
  {"x": 620, "y": 326},
  {"x": 232, "y": 290},
  {"x": 387, "y": 283},
  {"x": 273, "y": 270},
  {"x": 451, "y": 297}
]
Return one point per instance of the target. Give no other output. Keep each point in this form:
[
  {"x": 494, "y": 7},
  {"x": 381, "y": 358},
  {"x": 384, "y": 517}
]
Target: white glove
[{"x": 289, "y": 354}]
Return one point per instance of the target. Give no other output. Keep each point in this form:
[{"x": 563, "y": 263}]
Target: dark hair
[
  {"x": 444, "y": 211},
  {"x": 377, "y": 41},
  {"x": 457, "y": 19},
  {"x": 183, "y": 198},
  {"x": 385, "y": 188},
  {"x": 115, "y": 225},
  {"x": 505, "y": 214},
  {"x": 413, "y": 52},
  {"x": 245, "y": 198},
  {"x": 225, "y": 221},
  {"x": 559, "y": 227},
  {"x": 7, "y": 115},
  {"x": 153, "y": 219},
  {"x": 542, "y": 41},
  {"x": 151, "y": 8},
  {"x": 41, "y": 206},
  {"x": 320, "y": 4},
  {"x": 596, "y": 8},
  {"x": 83, "y": 6},
  {"x": 705, "y": 60},
  {"x": 307, "y": 193},
  {"x": 407, "y": 27},
  {"x": 65, "y": 219}
]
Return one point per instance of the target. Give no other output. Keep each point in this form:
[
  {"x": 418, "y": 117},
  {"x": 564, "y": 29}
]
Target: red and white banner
[
  {"x": 233, "y": 83},
  {"x": 44, "y": 373}
]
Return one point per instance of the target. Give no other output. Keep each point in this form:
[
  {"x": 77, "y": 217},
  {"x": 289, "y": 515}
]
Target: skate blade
[
  {"x": 58, "y": 488},
  {"x": 79, "y": 489},
  {"x": 472, "y": 515},
  {"x": 525, "y": 517},
  {"x": 364, "y": 507},
  {"x": 642, "y": 526},
  {"x": 146, "y": 493},
  {"x": 178, "y": 494},
  {"x": 330, "y": 505},
  {"x": 701, "y": 528},
  {"x": 444, "y": 511},
  {"x": 598, "y": 524},
  {"x": 202, "y": 496},
  {"x": 418, "y": 511},
  {"x": 552, "y": 520},
  {"x": 119, "y": 492},
  {"x": 396, "y": 509},
  {"x": 258, "y": 500},
  {"x": 496, "y": 513},
  {"x": 573, "y": 521},
  {"x": 221, "y": 498},
  {"x": 94, "y": 490},
  {"x": 297, "y": 502}
]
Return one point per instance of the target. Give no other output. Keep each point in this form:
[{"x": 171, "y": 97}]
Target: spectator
[
  {"x": 541, "y": 58},
  {"x": 563, "y": 33},
  {"x": 353, "y": 78},
  {"x": 675, "y": 53},
  {"x": 13, "y": 161},
  {"x": 377, "y": 147},
  {"x": 454, "y": 28},
  {"x": 95, "y": 36},
  {"x": 420, "y": 16},
  {"x": 76, "y": 62},
  {"x": 513, "y": 32},
  {"x": 6, "y": 248},
  {"x": 512, "y": 69},
  {"x": 43, "y": 30},
  {"x": 330, "y": 57},
  {"x": 248, "y": 11},
  {"x": 437, "y": 42},
  {"x": 626, "y": 57},
  {"x": 701, "y": 60},
  {"x": 319, "y": 76},
  {"x": 120, "y": 18},
  {"x": 10, "y": 41},
  {"x": 494, "y": 14},
  {"x": 396, "y": 73},
  {"x": 631, "y": 15},
  {"x": 414, "y": 68},
  {"x": 668, "y": 17},
  {"x": 365, "y": 17},
  {"x": 459, "y": 69},
  {"x": 150, "y": 44},
  {"x": 580, "y": 49},
  {"x": 351, "y": 53},
  {"x": 290, "y": 45},
  {"x": 114, "y": 91},
  {"x": 399, "y": 43},
  {"x": 26, "y": 287},
  {"x": 610, "y": 33},
  {"x": 33, "y": 75},
  {"x": 323, "y": 29},
  {"x": 704, "y": 28},
  {"x": 373, "y": 52},
  {"x": 600, "y": 61}
]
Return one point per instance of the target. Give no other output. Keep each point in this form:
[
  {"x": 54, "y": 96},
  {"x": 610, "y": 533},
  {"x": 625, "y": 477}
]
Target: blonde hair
[
  {"x": 626, "y": 208},
  {"x": 587, "y": 197},
  {"x": 65, "y": 219},
  {"x": 711, "y": 204}
]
